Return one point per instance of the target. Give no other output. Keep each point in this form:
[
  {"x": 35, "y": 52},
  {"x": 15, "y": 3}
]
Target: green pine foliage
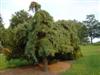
[
  {"x": 48, "y": 38},
  {"x": 39, "y": 37}
]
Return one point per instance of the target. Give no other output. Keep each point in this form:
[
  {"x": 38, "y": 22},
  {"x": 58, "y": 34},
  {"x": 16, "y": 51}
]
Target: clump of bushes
[
  {"x": 18, "y": 62},
  {"x": 3, "y": 61}
]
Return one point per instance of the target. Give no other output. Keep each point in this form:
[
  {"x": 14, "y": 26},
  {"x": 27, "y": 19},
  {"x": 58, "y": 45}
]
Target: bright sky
[{"x": 59, "y": 9}]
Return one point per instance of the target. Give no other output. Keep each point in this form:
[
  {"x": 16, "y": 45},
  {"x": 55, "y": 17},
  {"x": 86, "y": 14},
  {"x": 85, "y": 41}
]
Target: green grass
[{"x": 89, "y": 64}]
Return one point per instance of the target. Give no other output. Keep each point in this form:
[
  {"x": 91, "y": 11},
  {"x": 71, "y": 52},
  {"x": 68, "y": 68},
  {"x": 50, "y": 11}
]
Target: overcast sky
[{"x": 59, "y": 9}]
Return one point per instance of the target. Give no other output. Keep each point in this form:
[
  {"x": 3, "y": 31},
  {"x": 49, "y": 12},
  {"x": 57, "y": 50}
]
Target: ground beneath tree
[{"x": 54, "y": 69}]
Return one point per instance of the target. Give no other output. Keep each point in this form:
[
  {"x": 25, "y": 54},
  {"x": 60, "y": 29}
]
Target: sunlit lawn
[{"x": 89, "y": 64}]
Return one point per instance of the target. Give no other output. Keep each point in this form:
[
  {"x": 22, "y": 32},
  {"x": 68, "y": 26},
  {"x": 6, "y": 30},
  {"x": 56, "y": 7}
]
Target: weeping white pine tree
[
  {"x": 39, "y": 43},
  {"x": 48, "y": 38}
]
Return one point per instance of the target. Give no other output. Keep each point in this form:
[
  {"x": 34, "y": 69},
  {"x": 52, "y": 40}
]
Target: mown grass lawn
[{"x": 89, "y": 64}]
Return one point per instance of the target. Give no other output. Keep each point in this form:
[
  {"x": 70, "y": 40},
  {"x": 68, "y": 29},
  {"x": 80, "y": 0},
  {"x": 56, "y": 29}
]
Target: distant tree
[
  {"x": 93, "y": 27},
  {"x": 1, "y": 23},
  {"x": 2, "y": 30},
  {"x": 83, "y": 34},
  {"x": 34, "y": 6},
  {"x": 19, "y": 18},
  {"x": 82, "y": 31}
]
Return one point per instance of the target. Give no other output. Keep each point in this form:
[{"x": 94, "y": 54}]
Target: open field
[{"x": 89, "y": 64}]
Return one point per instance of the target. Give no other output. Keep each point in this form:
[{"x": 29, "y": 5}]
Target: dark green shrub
[
  {"x": 3, "y": 61},
  {"x": 18, "y": 62}
]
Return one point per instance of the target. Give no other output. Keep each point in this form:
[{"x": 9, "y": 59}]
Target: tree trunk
[
  {"x": 45, "y": 62},
  {"x": 91, "y": 40}
]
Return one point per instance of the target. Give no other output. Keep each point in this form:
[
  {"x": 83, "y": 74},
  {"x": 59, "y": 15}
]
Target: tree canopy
[{"x": 19, "y": 18}]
